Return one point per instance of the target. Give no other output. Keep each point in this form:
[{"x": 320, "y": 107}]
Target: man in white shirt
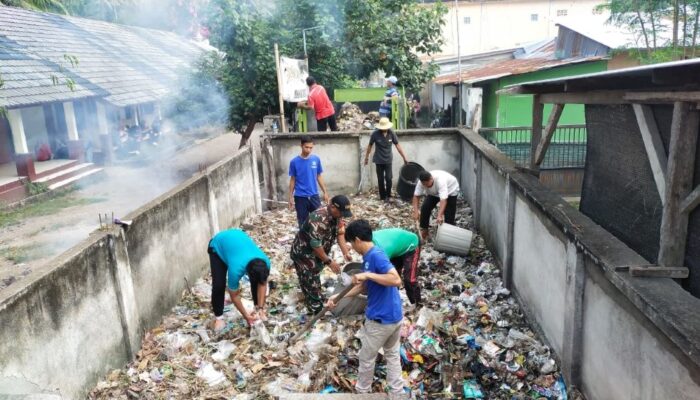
[{"x": 438, "y": 187}]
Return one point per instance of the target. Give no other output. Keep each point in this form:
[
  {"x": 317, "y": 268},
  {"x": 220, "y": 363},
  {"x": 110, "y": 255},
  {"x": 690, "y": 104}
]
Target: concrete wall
[
  {"x": 617, "y": 337},
  {"x": 341, "y": 156},
  {"x": 105, "y": 291}
]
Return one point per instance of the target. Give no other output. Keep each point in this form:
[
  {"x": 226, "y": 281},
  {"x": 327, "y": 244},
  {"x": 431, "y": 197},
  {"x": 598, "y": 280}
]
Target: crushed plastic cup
[
  {"x": 211, "y": 376},
  {"x": 261, "y": 333}
]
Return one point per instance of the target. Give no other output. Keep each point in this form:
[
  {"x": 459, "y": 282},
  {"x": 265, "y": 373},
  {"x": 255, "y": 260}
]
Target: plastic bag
[
  {"x": 317, "y": 338},
  {"x": 428, "y": 318},
  {"x": 261, "y": 333},
  {"x": 211, "y": 376},
  {"x": 224, "y": 349}
]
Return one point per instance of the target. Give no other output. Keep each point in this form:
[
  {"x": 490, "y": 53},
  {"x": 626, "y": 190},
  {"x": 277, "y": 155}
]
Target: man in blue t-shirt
[
  {"x": 383, "y": 316},
  {"x": 304, "y": 172},
  {"x": 232, "y": 254}
]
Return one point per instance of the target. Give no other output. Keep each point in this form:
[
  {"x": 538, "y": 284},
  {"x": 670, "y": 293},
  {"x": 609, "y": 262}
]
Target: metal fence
[{"x": 567, "y": 149}]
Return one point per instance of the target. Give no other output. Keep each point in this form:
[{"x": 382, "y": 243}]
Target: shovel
[{"x": 318, "y": 316}]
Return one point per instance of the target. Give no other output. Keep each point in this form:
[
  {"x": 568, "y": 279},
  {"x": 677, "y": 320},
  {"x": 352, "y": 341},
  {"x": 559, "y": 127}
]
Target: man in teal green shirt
[
  {"x": 403, "y": 249},
  {"x": 232, "y": 254}
]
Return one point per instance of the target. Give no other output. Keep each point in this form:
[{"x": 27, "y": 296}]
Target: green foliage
[
  {"x": 34, "y": 188},
  {"x": 389, "y": 34},
  {"x": 238, "y": 29},
  {"x": 55, "y": 6}
]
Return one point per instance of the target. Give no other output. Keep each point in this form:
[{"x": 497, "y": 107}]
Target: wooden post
[
  {"x": 679, "y": 179},
  {"x": 548, "y": 133},
  {"x": 653, "y": 145},
  {"x": 537, "y": 113},
  {"x": 283, "y": 124}
]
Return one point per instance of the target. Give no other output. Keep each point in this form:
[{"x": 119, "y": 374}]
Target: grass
[
  {"x": 22, "y": 254},
  {"x": 45, "y": 207}
]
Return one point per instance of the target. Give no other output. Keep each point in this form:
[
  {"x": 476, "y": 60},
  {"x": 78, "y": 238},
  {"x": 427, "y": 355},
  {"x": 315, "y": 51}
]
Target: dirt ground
[{"x": 28, "y": 244}]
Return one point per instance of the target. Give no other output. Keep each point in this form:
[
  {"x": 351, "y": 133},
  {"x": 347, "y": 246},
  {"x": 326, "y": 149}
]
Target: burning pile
[
  {"x": 469, "y": 340},
  {"x": 351, "y": 118}
]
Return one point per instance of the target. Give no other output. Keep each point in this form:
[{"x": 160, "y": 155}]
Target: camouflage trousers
[{"x": 308, "y": 271}]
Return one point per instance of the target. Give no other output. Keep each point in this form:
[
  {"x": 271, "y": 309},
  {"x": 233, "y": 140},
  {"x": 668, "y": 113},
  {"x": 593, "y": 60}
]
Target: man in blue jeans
[
  {"x": 383, "y": 316},
  {"x": 304, "y": 172}
]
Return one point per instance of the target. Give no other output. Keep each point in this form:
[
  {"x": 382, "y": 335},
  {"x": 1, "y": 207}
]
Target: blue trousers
[{"x": 304, "y": 206}]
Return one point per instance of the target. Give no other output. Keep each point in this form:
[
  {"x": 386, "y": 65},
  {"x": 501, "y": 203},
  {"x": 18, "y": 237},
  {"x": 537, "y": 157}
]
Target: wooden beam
[
  {"x": 548, "y": 133},
  {"x": 537, "y": 114},
  {"x": 592, "y": 97},
  {"x": 654, "y": 271},
  {"x": 690, "y": 202},
  {"x": 679, "y": 180},
  {"x": 662, "y": 97},
  {"x": 653, "y": 145}
]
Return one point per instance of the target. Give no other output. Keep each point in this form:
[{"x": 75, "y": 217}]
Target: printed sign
[{"x": 294, "y": 73}]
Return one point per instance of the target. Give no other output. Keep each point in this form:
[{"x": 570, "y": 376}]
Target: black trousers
[
  {"x": 407, "y": 266},
  {"x": 323, "y": 124},
  {"x": 219, "y": 273},
  {"x": 429, "y": 204},
  {"x": 384, "y": 177}
]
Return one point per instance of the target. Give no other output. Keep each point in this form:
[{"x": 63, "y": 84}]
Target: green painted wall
[
  {"x": 359, "y": 94},
  {"x": 516, "y": 110}
]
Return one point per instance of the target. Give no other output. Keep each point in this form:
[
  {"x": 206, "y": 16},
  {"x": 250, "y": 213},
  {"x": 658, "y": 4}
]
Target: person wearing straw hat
[{"x": 383, "y": 137}]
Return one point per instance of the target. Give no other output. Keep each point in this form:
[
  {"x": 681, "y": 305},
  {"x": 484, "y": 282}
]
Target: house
[
  {"x": 642, "y": 171},
  {"x": 71, "y": 84},
  {"x": 489, "y": 25}
]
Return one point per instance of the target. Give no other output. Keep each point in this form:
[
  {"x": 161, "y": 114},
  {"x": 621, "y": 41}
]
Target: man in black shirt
[{"x": 384, "y": 137}]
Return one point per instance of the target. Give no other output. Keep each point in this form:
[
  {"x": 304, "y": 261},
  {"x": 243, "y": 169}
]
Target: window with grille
[
  {"x": 467, "y": 20},
  {"x": 534, "y": 17},
  {"x": 562, "y": 13}
]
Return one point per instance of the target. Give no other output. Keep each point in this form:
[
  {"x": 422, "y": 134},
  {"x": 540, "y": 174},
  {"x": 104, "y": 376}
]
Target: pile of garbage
[
  {"x": 469, "y": 340},
  {"x": 351, "y": 118}
]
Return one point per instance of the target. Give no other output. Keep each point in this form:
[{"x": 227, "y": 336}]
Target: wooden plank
[
  {"x": 690, "y": 202},
  {"x": 659, "y": 272},
  {"x": 548, "y": 133},
  {"x": 661, "y": 97},
  {"x": 537, "y": 114},
  {"x": 592, "y": 97},
  {"x": 679, "y": 180},
  {"x": 653, "y": 145}
]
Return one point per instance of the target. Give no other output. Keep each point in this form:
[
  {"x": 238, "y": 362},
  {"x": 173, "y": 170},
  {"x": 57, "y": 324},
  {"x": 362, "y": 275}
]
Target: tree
[
  {"x": 38, "y": 5},
  {"x": 390, "y": 34},
  {"x": 249, "y": 76}
]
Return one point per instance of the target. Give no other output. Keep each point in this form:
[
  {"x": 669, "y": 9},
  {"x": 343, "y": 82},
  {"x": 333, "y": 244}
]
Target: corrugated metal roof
[
  {"x": 125, "y": 65},
  {"x": 510, "y": 67}
]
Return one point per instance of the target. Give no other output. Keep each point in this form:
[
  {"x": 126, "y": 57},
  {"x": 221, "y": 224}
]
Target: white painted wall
[
  {"x": 34, "y": 126},
  {"x": 503, "y": 24}
]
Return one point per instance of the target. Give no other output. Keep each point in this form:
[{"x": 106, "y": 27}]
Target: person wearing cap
[
  {"x": 381, "y": 330},
  {"x": 312, "y": 246},
  {"x": 438, "y": 187},
  {"x": 305, "y": 171},
  {"x": 403, "y": 249},
  {"x": 391, "y": 91},
  {"x": 321, "y": 104},
  {"x": 384, "y": 137},
  {"x": 232, "y": 254}
]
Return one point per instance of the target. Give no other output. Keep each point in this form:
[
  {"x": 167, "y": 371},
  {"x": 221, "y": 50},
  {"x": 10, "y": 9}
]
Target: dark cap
[{"x": 342, "y": 203}]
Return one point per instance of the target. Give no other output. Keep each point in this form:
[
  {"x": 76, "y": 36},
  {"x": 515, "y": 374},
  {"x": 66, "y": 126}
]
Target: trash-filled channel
[{"x": 469, "y": 340}]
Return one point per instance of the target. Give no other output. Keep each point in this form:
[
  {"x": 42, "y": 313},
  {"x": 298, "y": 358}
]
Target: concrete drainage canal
[{"x": 469, "y": 339}]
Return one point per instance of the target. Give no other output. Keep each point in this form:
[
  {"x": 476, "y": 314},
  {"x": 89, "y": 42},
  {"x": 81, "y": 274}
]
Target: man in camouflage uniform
[{"x": 312, "y": 246}]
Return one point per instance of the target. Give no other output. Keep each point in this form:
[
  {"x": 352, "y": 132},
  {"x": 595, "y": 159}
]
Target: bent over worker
[
  {"x": 312, "y": 246},
  {"x": 383, "y": 316},
  {"x": 403, "y": 249},
  {"x": 232, "y": 254},
  {"x": 439, "y": 187}
]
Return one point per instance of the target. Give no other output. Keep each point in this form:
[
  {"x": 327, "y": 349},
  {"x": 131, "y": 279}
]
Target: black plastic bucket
[{"x": 408, "y": 178}]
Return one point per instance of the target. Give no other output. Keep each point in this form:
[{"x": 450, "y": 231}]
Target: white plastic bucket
[{"x": 452, "y": 239}]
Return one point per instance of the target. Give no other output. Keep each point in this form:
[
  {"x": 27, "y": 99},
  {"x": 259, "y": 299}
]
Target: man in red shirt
[{"x": 319, "y": 101}]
